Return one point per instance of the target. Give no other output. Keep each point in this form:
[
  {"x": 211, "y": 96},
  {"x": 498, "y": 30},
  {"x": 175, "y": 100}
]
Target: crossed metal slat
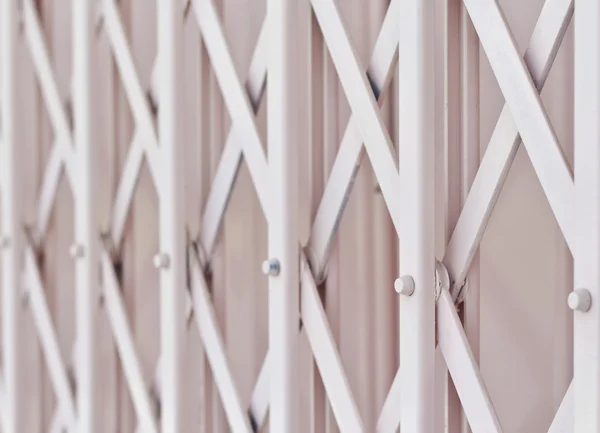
[
  {"x": 146, "y": 137},
  {"x": 494, "y": 167},
  {"x": 479, "y": 403},
  {"x": 546, "y": 155},
  {"x": 376, "y": 135},
  {"x": 49, "y": 341},
  {"x": 323, "y": 230},
  {"x": 62, "y": 155}
]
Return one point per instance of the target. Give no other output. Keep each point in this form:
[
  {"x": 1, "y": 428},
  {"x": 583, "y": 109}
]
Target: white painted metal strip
[
  {"x": 48, "y": 87},
  {"x": 131, "y": 83},
  {"x": 346, "y": 162},
  {"x": 214, "y": 348},
  {"x": 541, "y": 52},
  {"x": 463, "y": 368},
  {"x": 124, "y": 341},
  {"x": 416, "y": 223},
  {"x": 586, "y": 340},
  {"x": 259, "y": 403},
  {"x": 126, "y": 189},
  {"x": 326, "y": 355},
  {"x": 333, "y": 201},
  {"x": 234, "y": 96},
  {"x": 563, "y": 421},
  {"x": 389, "y": 417},
  {"x": 49, "y": 187},
  {"x": 172, "y": 215},
  {"x": 231, "y": 155},
  {"x": 49, "y": 341},
  {"x": 527, "y": 111},
  {"x": 86, "y": 222},
  {"x": 43, "y": 68},
  {"x": 279, "y": 195},
  {"x": 362, "y": 102}
]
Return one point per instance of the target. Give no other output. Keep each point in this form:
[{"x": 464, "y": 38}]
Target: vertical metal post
[
  {"x": 587, "y": 203},
  {"x": 417, "y": 255},
  {"x": 282, "y": 215},
  {"x": 86, "y": 229},
  {"x": 12, "y": 236},
  {"x": 172, "y": 214}
]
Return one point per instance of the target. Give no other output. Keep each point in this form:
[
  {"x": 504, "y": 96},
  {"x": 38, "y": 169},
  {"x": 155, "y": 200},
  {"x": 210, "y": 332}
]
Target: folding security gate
[{"x": 159, "y": 157}]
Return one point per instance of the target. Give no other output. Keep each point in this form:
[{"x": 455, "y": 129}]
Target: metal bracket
[{"x": 442, "y": 279}]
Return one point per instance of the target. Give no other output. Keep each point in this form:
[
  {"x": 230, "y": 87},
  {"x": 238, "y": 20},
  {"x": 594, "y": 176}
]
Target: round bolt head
[
  {"x": 161, "y": 261},
  {"x": 271, "y": 267},
  {"x": 76, "y": 251},
  {"x": 405, "y": 285},
  {"x": 580, "y": 300}
]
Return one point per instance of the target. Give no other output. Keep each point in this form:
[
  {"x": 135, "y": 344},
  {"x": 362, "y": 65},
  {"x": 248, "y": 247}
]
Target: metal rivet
[
  {"x": 161, "y": 261},
  {"x": 4, "y": 241},
  {"x": 580, "y": 300},
  {"x": 405, "y": 285},
  {"x": 271, "y": 267},
  {"x": 76, "y": 251}
]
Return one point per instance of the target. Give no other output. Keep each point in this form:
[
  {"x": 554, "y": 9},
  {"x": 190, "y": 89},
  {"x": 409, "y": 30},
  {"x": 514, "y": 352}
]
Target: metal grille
[{"x": 101, "y": 382}]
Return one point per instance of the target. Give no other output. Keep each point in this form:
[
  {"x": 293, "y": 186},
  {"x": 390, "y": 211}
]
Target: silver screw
[
  {"x": 405, "y": 285},
  {"x": 76, "y": 251},
  {"x": 162, "y": 261},
  {"x": 580, "y": 300},
  {"x": 271, "y": 267}
]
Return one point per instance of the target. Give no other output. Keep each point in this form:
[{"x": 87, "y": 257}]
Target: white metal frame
[
  {"x": 586, "y": 383},
  {"x": 85, "y": 190},
  {"x": 294, "y": 301}
]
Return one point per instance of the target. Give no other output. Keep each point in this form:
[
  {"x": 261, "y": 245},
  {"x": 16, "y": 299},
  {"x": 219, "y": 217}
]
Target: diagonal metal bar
[
  {"x": 347, "y": 160},
  {"x": 57, "y": 423},
  {"x": 49, "y": 90},
  {"x": 327, "y": 357},
  {"x": 126, "y": 189},
  {"x": 389, "y": 416},
  {"x": 463, "y": 368},
  {"x": 362, "y": 102},
  {"x": 234, "y": 96},
  {"x": 259, "y": 404},
  {"x": 49, "y": 188},
  {"x": 340, "y": 181},
  {"x": 527, "y": 110},
  {"x": 539, "y": 57},
  {"x": 131, "y": 84},
  {"x": 228, "y": 167},
  {"x": 124, "y": 340},
  {"x": 214, "y": 347},
  {"x": 231, "y": 156},
  {"x": 564, "y": 419},
  {"x": 49, "y": 340}
]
